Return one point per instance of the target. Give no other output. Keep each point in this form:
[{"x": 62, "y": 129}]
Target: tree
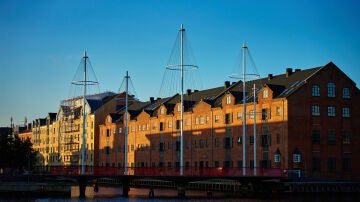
[{"x": 16, "y": 154}]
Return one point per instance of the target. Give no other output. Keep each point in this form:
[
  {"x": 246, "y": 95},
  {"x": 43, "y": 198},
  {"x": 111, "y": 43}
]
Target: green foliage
[{"x": 15, "y": 153}]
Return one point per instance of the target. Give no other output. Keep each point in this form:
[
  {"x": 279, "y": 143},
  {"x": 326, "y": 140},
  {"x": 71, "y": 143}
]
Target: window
[
  {"x": 239, "y": 163},
  {"x": 162, "y": 126},
  {"x": 346, "y": 112},
  {"x": 346, "y": 138},
  {"x": 346, "y": 164},
  {"x": 161, "y": 147},
  {"x": 239, "y": 139},
  {"x": 331, "y": 89},
  {"x": 196, "y": 121},
  {"x": 265, "y": 114},
  {"x": 201, "y": 143},
  {"x": 120, "y": 130},
  {"x": 132, "y": 128},
  {"x": 170, "y": 124},
  {"x": 207, "y": 119},
  {"x": 216, "y": 142},
  {"x": 316, "y": 164},
  {"x": 315, "y": 91},
  {"x": 228, "y": 100},
  {"x": 331, "y": 164},
  {"x": 331, "y": 137},
  {"x": 217, "y": 118},
  {"x": 251, "y": 139},
  {"x": 277, "y": 158},
  {"x": 227, "y": 118},
  {"x": 179, "y": 108},
  {"x": 331, "y": 111},
  {"x": 265, "y": 93},
  {"x": 251, "y": 116},
  {"x": 227, "y": 143},
  {"x": 296, "y": 158},
  {"x": 315, "y": 110},
  {"x": 202, "y": 120},
  {"x": 346, "y": 93},
  {"x": 217, "y": 164},
  {"x": 239, "y": 115},
  {"x": 177, "y": 124},
  {"x": 162, "y": 110},
  {"x": 187, "y": 122},
  {"x": 108, "y": 133},
  {"x": 315, "y": 136},
  {"x": 277, "y": 111}
]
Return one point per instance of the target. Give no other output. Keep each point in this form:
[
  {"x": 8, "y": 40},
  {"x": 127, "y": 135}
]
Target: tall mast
[
  {"x": 182, "y": 30},
  {"x": 254, "y": 129},
  {"x": 244, "y": 104},
  {"x": 84, "y": 121},
  {"x": 126, "y": 124}
]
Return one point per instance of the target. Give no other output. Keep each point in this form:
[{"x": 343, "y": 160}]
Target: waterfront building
[
  {"x": 306, "y": 120},
  {"x": 25, "y": 132},
  {"x": 41, "y": 135},
  {"x": 69, "y": 128}
]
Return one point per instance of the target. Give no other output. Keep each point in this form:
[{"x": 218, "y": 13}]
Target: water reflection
[{"x": 113, "y": 194}]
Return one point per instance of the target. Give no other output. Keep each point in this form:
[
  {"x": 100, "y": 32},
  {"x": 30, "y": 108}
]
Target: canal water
[{"x": 113, "y": 194}]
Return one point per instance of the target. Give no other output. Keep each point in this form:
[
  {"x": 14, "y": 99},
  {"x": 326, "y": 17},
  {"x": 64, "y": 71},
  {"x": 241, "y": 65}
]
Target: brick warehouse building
[{"x": 305, "y": 119}]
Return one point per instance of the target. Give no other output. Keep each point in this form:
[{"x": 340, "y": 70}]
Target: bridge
[{"x": 207, "y": 179}]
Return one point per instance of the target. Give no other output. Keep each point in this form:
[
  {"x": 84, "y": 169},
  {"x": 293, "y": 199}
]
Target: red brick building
[{"x": 306, "y": 120}]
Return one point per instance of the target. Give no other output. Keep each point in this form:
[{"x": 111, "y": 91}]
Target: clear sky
[{"x": 42, "y": 42}]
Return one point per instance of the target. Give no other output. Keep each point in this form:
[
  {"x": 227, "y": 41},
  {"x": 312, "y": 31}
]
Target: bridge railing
[{"x": 164, "y": 171}]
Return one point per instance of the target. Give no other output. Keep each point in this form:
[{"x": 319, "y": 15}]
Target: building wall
[{"x": 329, "y": 155}]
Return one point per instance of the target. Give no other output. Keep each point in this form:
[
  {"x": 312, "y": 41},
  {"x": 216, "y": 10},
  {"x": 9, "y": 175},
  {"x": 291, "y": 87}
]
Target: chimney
[
  {"x": 227, "y": 84},
  {"x": 297, "y": 70},
  {"x": 151, "y": 99},
  {"x": 270, "y": 76},
  {"x": 288, "y": 72},
  {"x": 188, "y": 91}
]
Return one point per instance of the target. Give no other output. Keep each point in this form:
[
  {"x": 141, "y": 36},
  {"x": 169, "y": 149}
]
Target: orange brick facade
[{"x": 213, "y": 133}]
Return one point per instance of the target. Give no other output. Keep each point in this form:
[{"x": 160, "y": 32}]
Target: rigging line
[
  {"x": 163, "y": 82},
  {"x": 133, "y": 88}
]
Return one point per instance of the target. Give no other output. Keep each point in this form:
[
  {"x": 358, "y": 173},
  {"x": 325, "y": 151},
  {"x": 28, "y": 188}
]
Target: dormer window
[
  {"x": 109, "y": 119},
  {"x": 265, "y": 93},
  {"x": 162, "y": 110},
  {"x": 228, "y": 100},
  {"x": 179, "y": 108}
]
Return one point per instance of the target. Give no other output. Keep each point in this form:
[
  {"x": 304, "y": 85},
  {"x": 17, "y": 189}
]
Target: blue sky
[{"x": 42, "y": 43}]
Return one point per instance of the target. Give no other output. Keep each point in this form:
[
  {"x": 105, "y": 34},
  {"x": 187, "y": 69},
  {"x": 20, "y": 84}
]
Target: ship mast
[
  {"x": 84, "y": 121},
  {"x": 182, "y": 99},
  {"x": 244, "y": 105},
  {"x": 126, "y": 123}
]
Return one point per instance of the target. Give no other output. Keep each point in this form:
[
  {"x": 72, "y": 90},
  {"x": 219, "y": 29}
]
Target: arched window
[{"x": 331, "y": 89}]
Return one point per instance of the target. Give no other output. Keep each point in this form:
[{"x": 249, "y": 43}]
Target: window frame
[
  {"x": 331, "y": 111},
  {"x": 315, "y": 91},
  {"x": 331, "y": 90}
]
